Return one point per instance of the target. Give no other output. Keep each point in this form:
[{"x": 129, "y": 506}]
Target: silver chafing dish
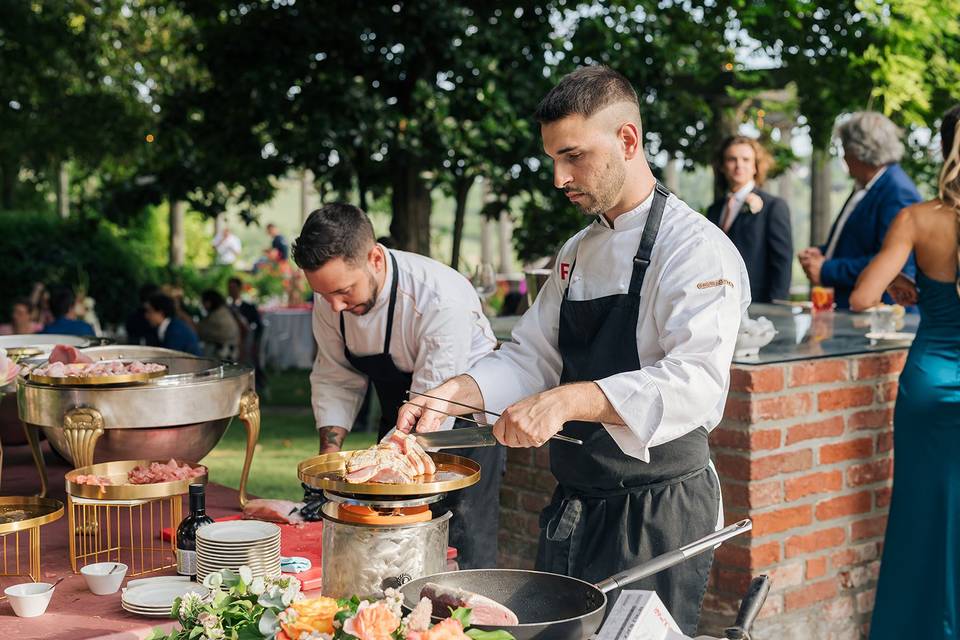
[{"x": 182, "y": 414}]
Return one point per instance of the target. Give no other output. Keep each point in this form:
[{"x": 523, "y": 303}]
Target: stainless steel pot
[{"x": 182, "y": 414}]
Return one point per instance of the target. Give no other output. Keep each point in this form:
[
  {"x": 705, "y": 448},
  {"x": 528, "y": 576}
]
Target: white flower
[
  {"x": 190, "y": 604},
  {"x": 246, "y": 574},
  {"x": 754, "y": 203},
  {"x": 213, "y": 580},
  {"x": 258, "y": 586}
]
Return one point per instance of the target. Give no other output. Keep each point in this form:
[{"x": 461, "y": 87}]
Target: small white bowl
[
  {"x": 29, "y": 599},
  {"x": 99, "y": 579}
]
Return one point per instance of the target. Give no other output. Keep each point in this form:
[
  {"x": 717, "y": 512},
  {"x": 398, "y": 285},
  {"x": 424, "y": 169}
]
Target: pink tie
[{"x": 728, "y": 213}]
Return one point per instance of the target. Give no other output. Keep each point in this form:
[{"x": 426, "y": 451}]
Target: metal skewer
[{"x": 556, "y": 436}]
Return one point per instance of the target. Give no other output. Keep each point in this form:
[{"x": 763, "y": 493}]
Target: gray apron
[
  {"x": 611, "y": 511},
  {"x": 476, "y": 510}
]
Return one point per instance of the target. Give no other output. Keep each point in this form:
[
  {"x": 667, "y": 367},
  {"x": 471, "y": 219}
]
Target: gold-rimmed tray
[
  {"x": 326, "y": 471},
  {"x": 97, "y": 381},
  {"x": 24, "y": 512},
  {"x": 122, "y": 489}
]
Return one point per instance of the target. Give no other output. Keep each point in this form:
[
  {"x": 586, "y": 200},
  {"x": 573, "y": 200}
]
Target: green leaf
[{"x": 461, "y": 615}]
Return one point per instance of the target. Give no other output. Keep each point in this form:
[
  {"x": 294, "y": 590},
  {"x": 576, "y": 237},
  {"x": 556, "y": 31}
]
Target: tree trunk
[
  {"x": 306, "y": 181},
  {"x": 671, "y": 175},
  {"x": 178, "y": 245},
  {"x": 410, "y": 200},
  {"x": 486, "y": 241},
  {"x": 63, "y": 191},
  {"x": 463, "y": 185},
  {"x": 819, "y": 196},
  {"x": 8, "y": 183},
  {"x": 505, "y": 227}
]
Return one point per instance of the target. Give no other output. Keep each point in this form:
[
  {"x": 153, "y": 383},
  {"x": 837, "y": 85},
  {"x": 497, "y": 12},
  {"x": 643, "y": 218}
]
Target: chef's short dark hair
[
  {"x": 584, "y": 92},
  {"x": 164, "y": 304},
  {"x": 336, "y": 230}
]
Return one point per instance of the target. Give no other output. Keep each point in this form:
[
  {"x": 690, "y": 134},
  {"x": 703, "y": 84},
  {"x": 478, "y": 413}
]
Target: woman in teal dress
[{"x": 918, "y": 594}]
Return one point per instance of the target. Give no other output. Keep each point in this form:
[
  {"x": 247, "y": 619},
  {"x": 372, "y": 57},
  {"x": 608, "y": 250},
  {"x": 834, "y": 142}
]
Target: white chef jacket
[
  {"x": 695, "y": 291},
  {"x": 439, "y": 331}
]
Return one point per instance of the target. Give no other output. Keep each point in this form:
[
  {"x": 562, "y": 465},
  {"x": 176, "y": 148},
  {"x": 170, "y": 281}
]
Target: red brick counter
[{"x": 805, "y": 451}]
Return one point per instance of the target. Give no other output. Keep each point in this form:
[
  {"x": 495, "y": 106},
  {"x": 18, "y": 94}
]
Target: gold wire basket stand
[
  {"x": 20, "y": 520},
  {"x": 127, "y": 531}
]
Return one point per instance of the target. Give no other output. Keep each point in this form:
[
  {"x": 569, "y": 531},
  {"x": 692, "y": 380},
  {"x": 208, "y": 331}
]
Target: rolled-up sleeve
[
  {"x": 531, "y": 362},
  {"x": 698, "y": 304},
  {"x": 336, "y": 388}
]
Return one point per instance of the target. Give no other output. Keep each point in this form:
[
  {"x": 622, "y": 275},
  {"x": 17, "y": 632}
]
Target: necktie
[{"x": 728, "y": 213}]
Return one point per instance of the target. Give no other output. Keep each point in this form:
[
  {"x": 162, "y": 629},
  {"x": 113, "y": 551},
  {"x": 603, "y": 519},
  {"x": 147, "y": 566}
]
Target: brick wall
[{"x": 805, "y": 451}]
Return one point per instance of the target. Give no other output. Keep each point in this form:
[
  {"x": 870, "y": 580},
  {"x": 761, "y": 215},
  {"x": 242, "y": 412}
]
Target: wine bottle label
[{"x": 186, "y": 562}]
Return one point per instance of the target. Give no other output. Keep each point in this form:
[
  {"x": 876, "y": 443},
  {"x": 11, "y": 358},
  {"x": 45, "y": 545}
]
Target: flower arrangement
[
  {"x": 241, "y": 607},
  {"x": 8, "y": 369}
]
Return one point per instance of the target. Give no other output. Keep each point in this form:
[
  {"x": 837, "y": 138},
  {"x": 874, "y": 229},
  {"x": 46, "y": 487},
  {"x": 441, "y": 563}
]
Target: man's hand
[
  {"x": 533, "y": 420},
  {"x": 811, "y": 259},
  {"x": 331, "y": 439},
  {"x": 903, "y": 291},
  {"x": 461, "y": 389}
]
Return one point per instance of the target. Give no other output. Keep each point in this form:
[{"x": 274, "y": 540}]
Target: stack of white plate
[
  {"x": 156, "y": 598},
  {"x": 232, "y": 544}
]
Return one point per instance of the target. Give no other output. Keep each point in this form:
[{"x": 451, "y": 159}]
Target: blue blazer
[
  {"x": 67, "y": 327},
  {"x": 180, "y": 337},
  {"x": 863, "y": 234}
]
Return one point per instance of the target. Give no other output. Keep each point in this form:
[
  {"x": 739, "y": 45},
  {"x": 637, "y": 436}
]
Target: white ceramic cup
[
  {"x": 99, "y": 579},
  {"x": 29, "y": 599}
]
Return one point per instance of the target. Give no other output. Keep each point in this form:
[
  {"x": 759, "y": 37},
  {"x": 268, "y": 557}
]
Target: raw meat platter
[
  {"x": 328, "y": 471},
  {"x": 134, "y": 479}
]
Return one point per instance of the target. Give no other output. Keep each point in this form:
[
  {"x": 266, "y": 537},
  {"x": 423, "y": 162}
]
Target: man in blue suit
[
  {"x": 62, "y": 302},
  {"x": 872, "y": 150},
  {"x": 174, "y": 333}
]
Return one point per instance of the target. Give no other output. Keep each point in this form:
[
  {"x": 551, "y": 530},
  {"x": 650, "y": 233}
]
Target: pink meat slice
[
  {"x": 415, "y": 453},
  {"x": 282, "y": 511},
  {"x": 483, "y": 610},
  {"x": 67, "y": 354}
]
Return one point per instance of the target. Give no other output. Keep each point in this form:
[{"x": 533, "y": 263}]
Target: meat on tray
[
  {"x": 60, "y": 368},
  {"x": 153, "y": 473},
  {"x": 67, "y": 354},
  {"x": 282, "y": 511},
  {"x": 483, "y": 610},
  {"x": 397, "y": 460}
]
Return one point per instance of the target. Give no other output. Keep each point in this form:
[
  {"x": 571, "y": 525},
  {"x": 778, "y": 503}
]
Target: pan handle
[
  {"x": 671, "y": 558},
  {"x": 749, "y": 608}
]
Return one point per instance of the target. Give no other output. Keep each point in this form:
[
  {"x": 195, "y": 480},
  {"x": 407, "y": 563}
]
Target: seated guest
[
  {"x": 219, "y": 329},
  {"x": 139, "y": 330},
  {"x": 63, "y": 308},
  {"x": 172, "y": 332},
  {"x": 757, "y": 222},
  {"x": 251, "y": 329},
  {"x": 871, "y": 149},
  {"x": 21, "y": 320}
]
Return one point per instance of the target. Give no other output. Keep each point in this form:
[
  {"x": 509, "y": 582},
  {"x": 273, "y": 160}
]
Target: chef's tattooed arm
[{"x": 331, "y": 439}]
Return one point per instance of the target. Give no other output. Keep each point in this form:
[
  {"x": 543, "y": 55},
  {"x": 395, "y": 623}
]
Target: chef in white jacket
[
  {"x": 399, "y": 321},
  {"x": 627, "y": 347}
]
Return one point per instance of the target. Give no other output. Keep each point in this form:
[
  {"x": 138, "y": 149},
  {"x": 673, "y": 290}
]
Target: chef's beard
[
  {"x": 610, "y": 184},
  {"x": 364, "y": 308}
]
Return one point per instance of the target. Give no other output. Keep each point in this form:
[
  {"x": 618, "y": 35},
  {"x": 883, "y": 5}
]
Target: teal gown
[{"x": 917, "y": 595}]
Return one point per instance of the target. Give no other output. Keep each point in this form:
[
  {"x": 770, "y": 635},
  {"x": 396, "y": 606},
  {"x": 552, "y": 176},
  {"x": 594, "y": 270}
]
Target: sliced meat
[
  {"x": 381, "y": 463},
  {"x": 67, "y": 354},
  {"x": 164, "y": 472},
  {"x": 483, "y": 610},
  {"x": 282, "y": 511},
  {"x": 381, "y": 472},
  {"x": 411, "y": 448}
]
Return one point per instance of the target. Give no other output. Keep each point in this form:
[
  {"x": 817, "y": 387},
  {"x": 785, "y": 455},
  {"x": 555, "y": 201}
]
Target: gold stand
[
  {"x": 250, "y": 415},
  {"x": 33, "y": 438},
  {"x": 82, "y": 427},
  {"x": 15, "y": 560}
]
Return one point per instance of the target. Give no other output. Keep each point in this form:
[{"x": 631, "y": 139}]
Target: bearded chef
[
  {"x": 399, "y": 321},
  {"x": 627, "y": 347}
]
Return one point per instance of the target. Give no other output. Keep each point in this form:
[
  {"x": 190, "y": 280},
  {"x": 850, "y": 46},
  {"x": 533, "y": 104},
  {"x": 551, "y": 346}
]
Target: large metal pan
[{"x": 556, "y": 607}]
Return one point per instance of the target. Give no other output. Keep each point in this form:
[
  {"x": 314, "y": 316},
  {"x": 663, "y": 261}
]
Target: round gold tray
[
  {"x": 326, "y": 472},
  {"x": 23, "y": 352},
  {"x": 97, "y": 381},
  {"x": 27, "y": 512},
  {"x": 122, "y": 489}
]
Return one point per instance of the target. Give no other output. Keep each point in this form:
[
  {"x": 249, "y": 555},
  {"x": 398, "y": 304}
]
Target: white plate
[
  {"x": 235, "y": 532},
  {"x": 239, "y": 552},
  {"x": 149, "y": 614},
  {"x": 155, "y": 580},
  {"x": 895, "y": 336},
  {"x": 266, "y": 546},
  {"x": 157, "y": 596}
]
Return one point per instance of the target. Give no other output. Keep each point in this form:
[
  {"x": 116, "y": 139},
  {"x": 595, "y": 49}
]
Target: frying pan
[{"x": 553, "y": 606}]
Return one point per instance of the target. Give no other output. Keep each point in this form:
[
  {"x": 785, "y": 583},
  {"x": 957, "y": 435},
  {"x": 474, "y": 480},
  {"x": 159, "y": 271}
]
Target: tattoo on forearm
[{"x": 331, "y": 437}]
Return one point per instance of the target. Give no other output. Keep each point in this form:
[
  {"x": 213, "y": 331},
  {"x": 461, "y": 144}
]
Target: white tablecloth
[{"x": 287, "y": 341}]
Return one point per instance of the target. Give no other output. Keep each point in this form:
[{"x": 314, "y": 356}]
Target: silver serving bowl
[{"x": 182, "y": 414}]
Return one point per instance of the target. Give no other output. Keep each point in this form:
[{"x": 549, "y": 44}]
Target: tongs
[{"x": 480, "y": 436}]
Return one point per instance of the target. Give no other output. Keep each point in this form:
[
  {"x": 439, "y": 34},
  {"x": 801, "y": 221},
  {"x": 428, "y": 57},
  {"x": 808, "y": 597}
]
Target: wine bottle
[{"x": 187, "y": 533}]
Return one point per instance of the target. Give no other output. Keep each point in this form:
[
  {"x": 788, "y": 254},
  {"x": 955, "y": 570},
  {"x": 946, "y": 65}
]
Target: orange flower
[
  {"x": 372, "y": 622},
  {"x": 307, "y": 616},
  {"x": 448, "y": 629}
]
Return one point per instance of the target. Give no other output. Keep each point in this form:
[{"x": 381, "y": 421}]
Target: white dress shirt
[
  {"x": 852, "y": 203},
  {"x": 695, "y": 292},
  {"x": 162, "y": 329},
  {"x": 439, "y": 331},
  {"x": 740, "y": 196},
  {"x": 228, "y": 248}
]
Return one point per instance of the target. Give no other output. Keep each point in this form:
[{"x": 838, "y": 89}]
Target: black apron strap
[{"x": 650, "y": 230}]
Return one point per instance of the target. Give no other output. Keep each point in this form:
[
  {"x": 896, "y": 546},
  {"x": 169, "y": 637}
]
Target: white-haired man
[{"x": 871, "y": 150}]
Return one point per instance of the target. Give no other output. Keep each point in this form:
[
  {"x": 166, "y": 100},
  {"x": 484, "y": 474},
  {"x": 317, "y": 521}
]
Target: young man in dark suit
[
  {"x": 872, "y": 150},
  {"x": 757, "y": 222},
  {"x": 172, "y": 332}
]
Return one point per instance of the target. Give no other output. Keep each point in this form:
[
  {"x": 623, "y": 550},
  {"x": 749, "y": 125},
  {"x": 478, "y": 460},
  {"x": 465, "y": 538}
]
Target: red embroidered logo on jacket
[{"x": 564, "y": 270}]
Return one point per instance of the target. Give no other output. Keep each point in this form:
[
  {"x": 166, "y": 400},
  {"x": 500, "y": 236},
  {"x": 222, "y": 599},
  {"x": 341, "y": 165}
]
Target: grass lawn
[{"x": 287, "y": 436}]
